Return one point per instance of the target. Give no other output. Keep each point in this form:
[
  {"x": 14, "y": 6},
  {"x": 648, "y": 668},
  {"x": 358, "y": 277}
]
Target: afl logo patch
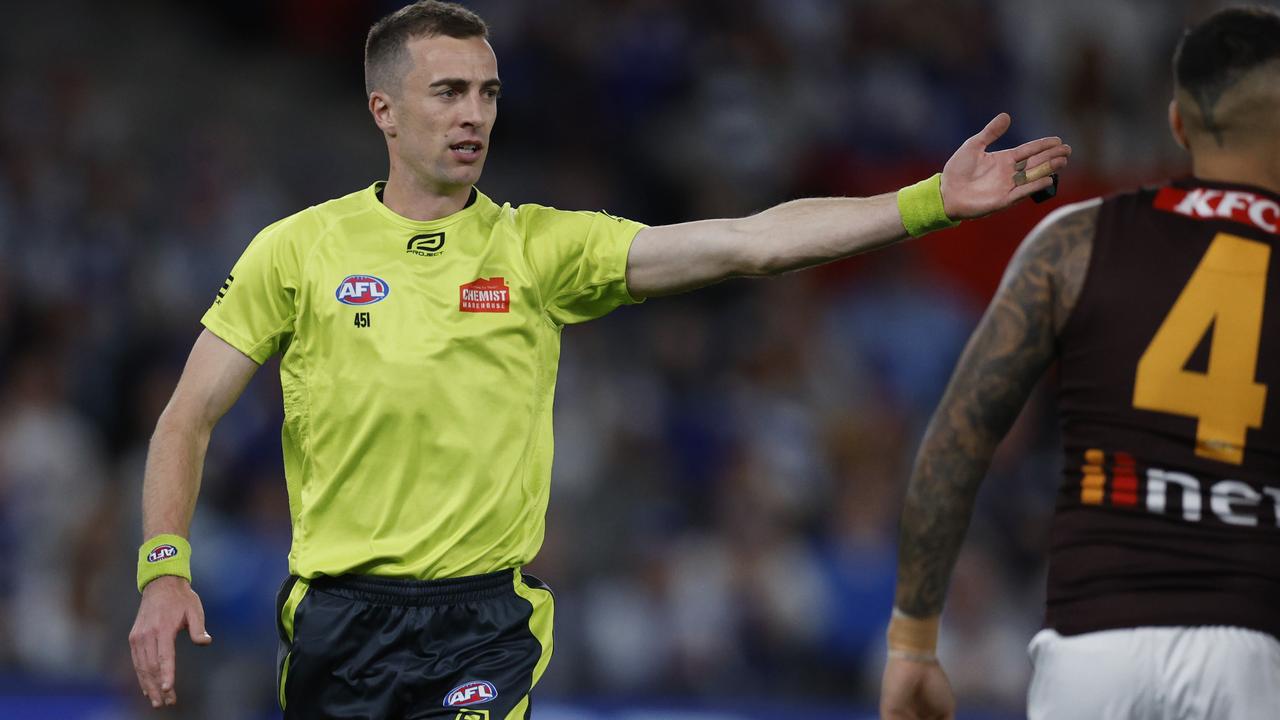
[
  {"x": 474, "y": 692},
  {"x": 362, "y": 290},
  {"x": 162, "y": 552}
]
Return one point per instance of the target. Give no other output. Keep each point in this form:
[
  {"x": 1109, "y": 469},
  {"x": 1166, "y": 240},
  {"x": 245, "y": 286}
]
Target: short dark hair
[
  {"x": 1214, "y": 55},
  {"x": 385, "y": 54}
]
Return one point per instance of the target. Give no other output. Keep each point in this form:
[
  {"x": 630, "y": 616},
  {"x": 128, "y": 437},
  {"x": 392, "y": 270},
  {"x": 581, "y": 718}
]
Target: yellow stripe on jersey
[{"x": 418, "y": 365}]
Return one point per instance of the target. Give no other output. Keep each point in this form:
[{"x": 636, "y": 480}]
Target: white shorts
[{"x": 1155, "y": 673}]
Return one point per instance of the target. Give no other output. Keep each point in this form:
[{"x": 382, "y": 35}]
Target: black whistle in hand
[{"x": 1042, "y": 195}]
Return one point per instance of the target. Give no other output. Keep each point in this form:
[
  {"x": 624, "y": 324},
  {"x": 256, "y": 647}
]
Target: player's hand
[
  {"x": 912, "y": 690},
  {"x": 168, "y": 605},
  {"x": 976, "y": 182}
]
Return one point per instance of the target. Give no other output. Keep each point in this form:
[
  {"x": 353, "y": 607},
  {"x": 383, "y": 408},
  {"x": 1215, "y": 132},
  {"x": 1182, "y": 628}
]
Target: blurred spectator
[{"x": 51, "y": 484}]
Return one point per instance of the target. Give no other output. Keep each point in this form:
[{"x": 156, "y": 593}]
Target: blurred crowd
[{"x": 729, "y": 464}]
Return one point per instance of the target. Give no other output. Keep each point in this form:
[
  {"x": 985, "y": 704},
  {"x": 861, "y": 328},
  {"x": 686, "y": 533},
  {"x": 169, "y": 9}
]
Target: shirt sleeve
[
  {"x": 255, "y": 309},
  {"x": 580, "y": 260}
]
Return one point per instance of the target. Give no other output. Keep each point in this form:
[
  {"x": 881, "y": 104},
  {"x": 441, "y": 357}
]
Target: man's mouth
[{"x": 466, "y": 150}]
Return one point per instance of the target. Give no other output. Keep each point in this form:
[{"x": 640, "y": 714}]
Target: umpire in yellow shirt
[{"x": 418, "y": 324}]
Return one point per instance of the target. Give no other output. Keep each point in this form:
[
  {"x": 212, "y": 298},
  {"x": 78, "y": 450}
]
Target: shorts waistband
[{"x": 405, "y": 591}]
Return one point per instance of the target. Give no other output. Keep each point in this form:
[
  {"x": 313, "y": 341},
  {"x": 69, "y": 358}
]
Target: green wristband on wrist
[
  {"x": 921, "y": 207},
  {"x": 163, "y": 555}
]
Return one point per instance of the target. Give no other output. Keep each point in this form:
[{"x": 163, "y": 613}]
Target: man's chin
[{"x": 466, "y": 176}]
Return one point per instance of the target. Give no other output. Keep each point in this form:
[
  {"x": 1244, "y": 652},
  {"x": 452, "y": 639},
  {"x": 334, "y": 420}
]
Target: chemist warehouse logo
[
  {"x": 485, "y": 295},
  {"x": 362, "y": 290}
]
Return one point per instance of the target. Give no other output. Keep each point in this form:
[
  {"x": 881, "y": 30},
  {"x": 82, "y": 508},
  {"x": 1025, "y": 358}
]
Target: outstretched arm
[
  {"x": 214, "y": 377},
  {"x": 674, "y": 258},
  {"x": 1007, "y": 354}
]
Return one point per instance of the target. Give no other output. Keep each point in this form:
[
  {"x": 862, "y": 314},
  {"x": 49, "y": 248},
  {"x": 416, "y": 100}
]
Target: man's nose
[{"x": 472, "y": 111}]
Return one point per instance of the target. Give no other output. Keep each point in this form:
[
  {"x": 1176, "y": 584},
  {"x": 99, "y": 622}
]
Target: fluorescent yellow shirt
[{"x": 418, "y": 365}]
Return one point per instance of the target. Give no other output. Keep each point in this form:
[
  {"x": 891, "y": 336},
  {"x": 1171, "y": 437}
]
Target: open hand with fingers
[
  {"x": 976, "y": 182},
  {"x": 168, "y": 605}
]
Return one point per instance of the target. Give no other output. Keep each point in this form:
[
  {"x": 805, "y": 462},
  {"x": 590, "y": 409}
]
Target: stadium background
[{"x": 729, "y": 464}]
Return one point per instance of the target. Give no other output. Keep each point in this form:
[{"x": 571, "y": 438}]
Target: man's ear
[
  {"x": 384, "y": 115},
  {"x": 1176, "y": 125}
]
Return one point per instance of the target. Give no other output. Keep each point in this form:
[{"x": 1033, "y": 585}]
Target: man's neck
[
  {"x": 408, "y": 199},
  {"x": 1259, "y": 167}
]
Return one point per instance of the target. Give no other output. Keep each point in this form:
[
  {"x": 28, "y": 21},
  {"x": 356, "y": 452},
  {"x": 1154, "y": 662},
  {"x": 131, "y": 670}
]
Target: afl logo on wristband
[
  {"x": 362, "y": 290},
  {"x": 162, "y": 552},
  {"x": 475, "y": 692}
]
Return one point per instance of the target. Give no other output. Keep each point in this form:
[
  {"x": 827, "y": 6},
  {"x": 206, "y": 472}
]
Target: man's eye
[{"x": 448, "y": 93}]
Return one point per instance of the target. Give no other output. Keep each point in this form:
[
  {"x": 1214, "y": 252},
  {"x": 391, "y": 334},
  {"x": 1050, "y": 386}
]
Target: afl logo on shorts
[
  {"x": 362, "y": 290},
  {"x": 475, "y": 692},
  {"x": 162, "y": 552}
]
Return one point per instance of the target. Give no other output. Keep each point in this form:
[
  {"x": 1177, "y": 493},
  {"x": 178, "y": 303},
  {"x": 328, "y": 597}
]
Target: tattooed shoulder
[{"x": 1056, "y": 254}]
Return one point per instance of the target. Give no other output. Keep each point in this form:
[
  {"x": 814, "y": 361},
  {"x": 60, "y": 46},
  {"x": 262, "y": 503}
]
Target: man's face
[{"x": 445, "y": 109}]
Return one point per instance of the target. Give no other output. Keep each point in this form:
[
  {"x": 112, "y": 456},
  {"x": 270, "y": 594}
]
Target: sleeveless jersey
[{"x": 1169, "y": 510}]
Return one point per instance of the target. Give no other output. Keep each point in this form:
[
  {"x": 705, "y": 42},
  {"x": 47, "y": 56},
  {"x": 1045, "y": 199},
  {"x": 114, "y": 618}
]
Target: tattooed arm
[
  {"x": 1006, "y": 356},
  {"x": 1013, "y": 345}
]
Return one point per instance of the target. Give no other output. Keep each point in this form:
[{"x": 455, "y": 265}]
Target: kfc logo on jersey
[
  {"x": 362, "y": 290},
  {"x": 491, "y": 295},
  {"x": 1211, "y": 204},
  {"x": 474, "y": 692},
  {"x": 162, "y": 552}
]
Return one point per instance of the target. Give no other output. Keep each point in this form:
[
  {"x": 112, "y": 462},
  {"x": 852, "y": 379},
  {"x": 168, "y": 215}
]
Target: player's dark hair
[
  {"x": 1217, "y": 53},
  {"x": 385, "y": 54}
]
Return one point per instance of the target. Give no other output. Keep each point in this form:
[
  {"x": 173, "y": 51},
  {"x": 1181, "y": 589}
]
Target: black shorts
[{"x": 370, "y": 648}]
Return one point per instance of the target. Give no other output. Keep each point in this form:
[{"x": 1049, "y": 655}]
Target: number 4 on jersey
[{"x": 1225, "y": 294}]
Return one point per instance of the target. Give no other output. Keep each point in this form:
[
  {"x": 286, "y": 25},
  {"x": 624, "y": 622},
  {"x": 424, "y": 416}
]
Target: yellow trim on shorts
[
  {"x": 540, "y": 622},
  {"x": 519, "y": 711},
  {"x": 284, "y": 673},
  {"x": 291, "y": 603}
]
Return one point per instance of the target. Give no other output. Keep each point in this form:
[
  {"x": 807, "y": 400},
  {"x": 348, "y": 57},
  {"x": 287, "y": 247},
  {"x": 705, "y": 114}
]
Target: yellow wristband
[
  {"x": 163, "y": 555},
  {"x": 921, "y": 207},
  {"x": 913, "y": 636}
]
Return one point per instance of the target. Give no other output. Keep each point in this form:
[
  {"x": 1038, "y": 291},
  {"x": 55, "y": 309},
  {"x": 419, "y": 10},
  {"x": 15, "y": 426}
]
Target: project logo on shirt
[
  {"x": 362, "y": 290},
  {"x": 426, "y": 245},
  {"x": 485, "y": 295}
]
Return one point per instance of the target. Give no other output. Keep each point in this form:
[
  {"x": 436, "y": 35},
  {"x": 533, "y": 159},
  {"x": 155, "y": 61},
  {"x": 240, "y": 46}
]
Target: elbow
[
  {"x": 176, "y": 422},
  {"x": 752, "y": 254},
  {"x": 761, "y": 263}
]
